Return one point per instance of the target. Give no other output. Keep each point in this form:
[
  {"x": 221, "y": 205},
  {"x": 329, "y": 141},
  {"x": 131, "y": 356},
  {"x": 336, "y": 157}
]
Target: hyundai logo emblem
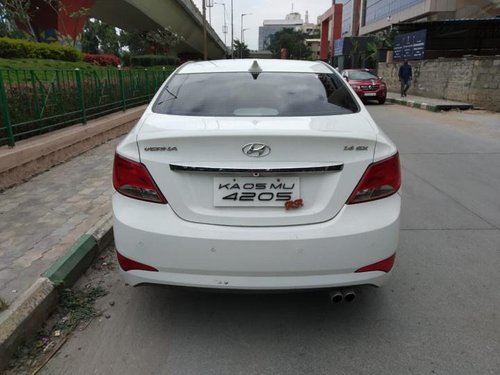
[{"x": 256, "y": 150}]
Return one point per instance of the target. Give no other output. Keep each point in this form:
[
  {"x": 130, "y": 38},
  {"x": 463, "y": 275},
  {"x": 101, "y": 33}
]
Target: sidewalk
[
  {"x": 40, "y": 219},
  {"x": 429, "y": 104}
]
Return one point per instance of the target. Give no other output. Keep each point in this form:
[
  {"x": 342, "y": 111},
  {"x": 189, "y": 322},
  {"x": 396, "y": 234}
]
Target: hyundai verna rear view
[{"x": 256, "y": 175}]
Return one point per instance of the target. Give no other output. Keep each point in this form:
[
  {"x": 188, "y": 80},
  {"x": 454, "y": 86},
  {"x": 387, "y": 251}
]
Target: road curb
[
  {"x": 28, "y": 313},
  {"x": 414, "y": 104},
  {"x": 25, "y": 316},
  {"x": 445, "y": 106}
]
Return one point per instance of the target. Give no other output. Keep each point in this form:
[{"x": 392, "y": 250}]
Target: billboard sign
[
  {"x": 410, "y": 46},
  {"x": 338, "y": 47}
]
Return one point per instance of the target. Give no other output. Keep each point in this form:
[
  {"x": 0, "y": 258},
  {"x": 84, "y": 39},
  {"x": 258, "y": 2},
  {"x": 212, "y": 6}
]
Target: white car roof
[{"x": 243, "y": 65}]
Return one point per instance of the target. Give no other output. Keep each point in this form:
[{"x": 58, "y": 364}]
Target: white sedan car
[{"x": 256, "y": 175}]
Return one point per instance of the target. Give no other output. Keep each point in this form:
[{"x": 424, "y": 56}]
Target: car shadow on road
[{"x": 262, "y": 309}]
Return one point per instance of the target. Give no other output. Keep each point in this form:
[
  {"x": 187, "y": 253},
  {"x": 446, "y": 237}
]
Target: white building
[{"x": 269, "y": 27}]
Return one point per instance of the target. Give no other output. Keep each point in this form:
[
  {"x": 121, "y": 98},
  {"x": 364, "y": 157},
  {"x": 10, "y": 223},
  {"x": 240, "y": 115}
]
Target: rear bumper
[{"x": 323, "y": 255}]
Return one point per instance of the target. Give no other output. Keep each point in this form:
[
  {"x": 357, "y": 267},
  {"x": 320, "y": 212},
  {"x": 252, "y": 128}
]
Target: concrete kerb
[
  {"x": 414, "y": 104},
  {"x": 27, "y": 314}
]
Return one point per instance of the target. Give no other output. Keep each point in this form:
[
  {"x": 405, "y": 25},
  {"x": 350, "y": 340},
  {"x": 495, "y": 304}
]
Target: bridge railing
[{"x": 34, "y": 102}]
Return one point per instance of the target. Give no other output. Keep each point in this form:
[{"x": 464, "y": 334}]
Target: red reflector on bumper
[
  {"x": 384, "y": 265},
  {"x": 127, "y": 264}
]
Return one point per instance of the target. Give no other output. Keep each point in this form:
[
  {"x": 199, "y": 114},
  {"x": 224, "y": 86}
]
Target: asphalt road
[{"x": 439, "y": 314}]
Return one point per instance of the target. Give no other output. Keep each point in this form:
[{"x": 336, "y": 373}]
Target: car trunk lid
[{"x": 203, "y": 168}]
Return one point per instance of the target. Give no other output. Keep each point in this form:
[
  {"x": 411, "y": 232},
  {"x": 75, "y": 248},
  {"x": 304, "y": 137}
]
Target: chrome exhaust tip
[
  {"x": 336, "y": 296},
  {"x": 349, "y": 295}
]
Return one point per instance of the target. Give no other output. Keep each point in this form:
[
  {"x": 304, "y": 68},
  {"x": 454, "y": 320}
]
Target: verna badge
[
  {"x": 256, "y": 150},
  {"x": 152, "y": 148}
]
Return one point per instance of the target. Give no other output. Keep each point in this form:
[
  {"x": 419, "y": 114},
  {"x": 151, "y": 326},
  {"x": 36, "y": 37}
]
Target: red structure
[
  {"x": 283, "y": 53},
  {"x": 61, "y": 22},
  {"x": 331, "y": 29}
]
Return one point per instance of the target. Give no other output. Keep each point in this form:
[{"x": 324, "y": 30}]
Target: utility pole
[
  {"x": 243, "y": 42},
  {"x": 241, "y": 38},
  {"x": 232, "y": 31},
  {"x": 205, "y": 52},
  {"x": 224, "y": 28},
  {"x": 210, "y": 5}
]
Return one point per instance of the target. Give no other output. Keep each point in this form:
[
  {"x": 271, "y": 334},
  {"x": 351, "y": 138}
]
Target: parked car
[
  {"x": 256, "y": 175},
  {"x": 366, "y": 84}
]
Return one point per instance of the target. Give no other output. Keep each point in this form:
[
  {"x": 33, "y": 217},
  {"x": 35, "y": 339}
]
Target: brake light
[
  {"x": 380, "y": 180},
  {"x": 384, "y": 265},
  {"x": 127, "y": 264},
  {"x": 132, "y": 179}
]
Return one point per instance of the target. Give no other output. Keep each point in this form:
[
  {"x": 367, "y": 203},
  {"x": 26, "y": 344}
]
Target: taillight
[
  {"x": 127, "y": 264},
  {"x": 132, "y": 179},
  {"x": 384, "y": 265},
  {"x": 380, "y": 180}
]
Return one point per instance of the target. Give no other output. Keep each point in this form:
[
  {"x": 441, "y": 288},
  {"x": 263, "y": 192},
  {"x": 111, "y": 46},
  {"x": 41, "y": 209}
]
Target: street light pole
[
  {"x": 210, "y": 5},
  {"x": 205, "y": 52},
  {"x": 232, "y": 31},
  {"x": 224, "y": 28},
  {"x": 243, "y": 35},
  {"x": 241, "y": 38}
]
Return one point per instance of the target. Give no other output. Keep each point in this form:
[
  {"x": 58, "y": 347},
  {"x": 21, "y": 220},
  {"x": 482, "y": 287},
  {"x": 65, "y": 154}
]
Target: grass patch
[
  {"x": 44, "y": 68},
  {"x": 42, "y": 64},
  {"x": 3, "y": 305},
  {"x": 76, "y": 307},
  {"x": 16, "y": 70}
]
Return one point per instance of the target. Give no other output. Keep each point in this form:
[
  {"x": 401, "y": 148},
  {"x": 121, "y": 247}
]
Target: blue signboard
[
  {"x": 338, "y": 47},
  {"x": 410, "y": 46}
]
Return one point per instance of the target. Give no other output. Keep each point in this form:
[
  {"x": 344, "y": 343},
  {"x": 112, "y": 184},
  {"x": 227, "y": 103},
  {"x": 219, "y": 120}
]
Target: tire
[{"x": 381, "y": 101}]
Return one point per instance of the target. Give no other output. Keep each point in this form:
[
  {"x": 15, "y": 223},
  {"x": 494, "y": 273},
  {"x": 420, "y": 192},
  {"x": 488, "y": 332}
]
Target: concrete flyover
[{"x": 181, "y": 16}]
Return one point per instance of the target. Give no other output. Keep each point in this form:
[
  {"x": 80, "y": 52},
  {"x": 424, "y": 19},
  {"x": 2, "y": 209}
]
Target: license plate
[
  {"x": 255, "y": 191},
  {"x": 370, "y": 94}
]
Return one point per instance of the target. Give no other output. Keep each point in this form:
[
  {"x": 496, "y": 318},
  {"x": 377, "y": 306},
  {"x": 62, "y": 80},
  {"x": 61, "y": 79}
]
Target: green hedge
[
  {"x": 153, "y": 60},
  {"x": 19, "y": 48}
]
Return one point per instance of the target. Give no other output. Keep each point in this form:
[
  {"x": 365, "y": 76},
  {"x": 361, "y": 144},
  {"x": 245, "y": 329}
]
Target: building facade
[
  {"x": 293, "y": 21},
  {"x": 331, "y": 30},
  {"x": 269, "y": 27},
  {"x": 361, "y": 17},
  {"x": 314, "y": 44}
]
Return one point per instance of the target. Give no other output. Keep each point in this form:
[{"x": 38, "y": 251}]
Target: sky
[{"x": 260, "y": 10}]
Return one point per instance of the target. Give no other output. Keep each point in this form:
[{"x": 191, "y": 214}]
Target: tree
[
  {"x": 381, "y": 40},
  {"x": 135, "y": 41},
  {"x": 163, "y": 39},
  {"x": 57, "y": 7},
  {"x": 241, "y": 49},
  {"x": 100, "y": 37},
  {"x": 158, "y": 41},
  {"x": 20, "y": 11},
  {"x": 293, "y": 41},
  {"x": 8, "y": 28}
]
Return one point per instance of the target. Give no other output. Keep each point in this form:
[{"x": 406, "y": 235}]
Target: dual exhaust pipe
[{"x": 337, "y": 296}]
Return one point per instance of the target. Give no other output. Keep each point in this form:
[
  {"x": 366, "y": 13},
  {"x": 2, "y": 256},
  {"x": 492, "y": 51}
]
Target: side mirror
[
  {"x": 381, "y": 78},
  {"x": 346, "y": 78}
]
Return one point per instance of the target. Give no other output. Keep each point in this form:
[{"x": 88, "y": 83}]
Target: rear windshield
[{"x": 265, "y": 94}]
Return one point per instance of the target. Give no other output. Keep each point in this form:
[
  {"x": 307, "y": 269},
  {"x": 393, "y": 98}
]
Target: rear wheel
[{"x": 381, "y": 101}]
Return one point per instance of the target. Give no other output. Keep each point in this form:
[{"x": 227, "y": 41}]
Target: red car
[{"x": 366, "y": 84}]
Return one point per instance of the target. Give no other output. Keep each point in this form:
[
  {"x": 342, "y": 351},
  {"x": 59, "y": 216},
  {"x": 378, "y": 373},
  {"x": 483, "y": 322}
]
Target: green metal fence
[{"x": 36, "y": 102}]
